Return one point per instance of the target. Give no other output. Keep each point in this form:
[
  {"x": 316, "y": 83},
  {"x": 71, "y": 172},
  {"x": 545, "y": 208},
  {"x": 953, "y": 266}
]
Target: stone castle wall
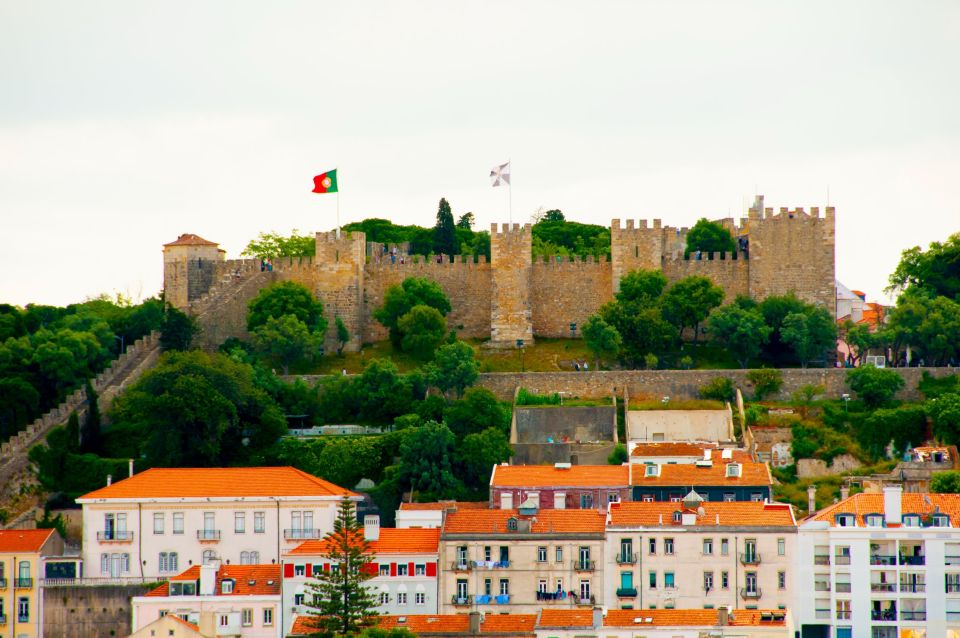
[
  {"x": 565, "y": 291},
  {"x": 730, "y": 271}
]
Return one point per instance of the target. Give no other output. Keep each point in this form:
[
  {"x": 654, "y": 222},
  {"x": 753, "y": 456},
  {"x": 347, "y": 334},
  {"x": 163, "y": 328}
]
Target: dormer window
[
  {"x": 512, "y": 524},
  {"x": 940, "y": 520},
  {"x": 911, "y": 520},
  {"x": 874, "y": 520},
  {"x": 846, "y": 520},
  {"x": 733, "y": 470},
  {"x": 652, "y": 470},
  {"x": 226, "y": 586}
]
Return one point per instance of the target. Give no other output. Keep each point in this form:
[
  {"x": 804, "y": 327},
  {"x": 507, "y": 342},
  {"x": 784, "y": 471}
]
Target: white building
[
  {"x": 232, "y": 600},
  {"x": 431, "y": 514},
  {"x": 405, "y": 566},
  {"x": 695, "y": 555},
  {"x": 881, "y": 566},
  {"x": 157, "y": 523}
]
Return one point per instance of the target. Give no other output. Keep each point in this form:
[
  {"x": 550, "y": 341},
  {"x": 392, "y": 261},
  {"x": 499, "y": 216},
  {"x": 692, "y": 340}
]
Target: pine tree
[
  {"x": 445, "y": 233},
  {"x": 342, "y": 603}
]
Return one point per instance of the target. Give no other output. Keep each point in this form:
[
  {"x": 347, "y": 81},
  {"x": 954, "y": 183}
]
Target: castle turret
[
  {"x": 635, "y": 247},
  {"x": 340, "y": 264},
  {"x": 189, "y": 266},
  {"x": 510, "y": 258}
]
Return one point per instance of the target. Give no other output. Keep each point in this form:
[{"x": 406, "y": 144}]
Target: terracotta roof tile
[
  {"x": 426, "y": 624},
  {"x": 565, "y": 618},
  {"x": 911, "y": 503},
  {"x": 189, "y": 239},
  {"x": 265, "y": 579},
  {"x": 738, "y": 513},
  {"x": 218, "y": 482},
  {"x": 508, "y": 623},
  {"x": 183, "y": 622},
  {"x": 672, "y": 448},
  {"x": 413, "y": 540},
  {"x": 445, "y": 505},
  {"x": 23, "y": 540},
  {"x": 688, "y": 474},
  {"x": 551, "y": 476},
  {"x": 690, "y": 617},
  {"x": 547, "y": 522}
]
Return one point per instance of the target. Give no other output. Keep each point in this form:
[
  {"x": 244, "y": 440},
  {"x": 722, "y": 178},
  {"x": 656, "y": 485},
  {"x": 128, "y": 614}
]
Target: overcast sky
[{"x": 124, "y": 124}]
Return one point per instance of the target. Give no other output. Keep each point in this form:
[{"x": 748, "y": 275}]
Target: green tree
[
  {"x": 709, "y": 237},
  {"x": 766, "y": 381},
  {"x": 285, "y": 340},
  {"x": 775, "y": 309},
  {"x": 343, "y": 335},
  {"x": 466, "y": 221},
  {"x": 936, "y": 271},
  {"x": 859, "y": 340},
  {"x": 177, "y": 330},
  {"x": 619, "y": 455},
  {"x": 642, "y": 287},
  {"x": 19, "y": 402},
  {"x": 283, "y": 299},
  {"x": 875, "y": 386},
  {"x": 643, "y": 330},
  {"x": 454, "y": 367},
  {"x": 398, "y": 301},
  {"x": 929, "y": 325},
  {"x": 904, "y": 426},
  {"x": 945, "y": 482},
  {"x": 342, "y": 603},
  {"x": 687, "y": 303},
  {"x": 383, "y": 393},
  {"x": 944, "y": 411},
  {"x": 475, "y": 412},
  {"x": 90, "y": 432},
  {"x": 742, "y": 331},
  {"x": 423, "y": 329},
  {"x": 444, "y": 233},
  {"x": 273, "y": 245},
  {"x": 426, "y": 460},
  {"x": 479, "y": 452},
  {"x": 810, "y": 334},
  {"x": 602, "y": 339},
  {"x": 717, "y": 389}
]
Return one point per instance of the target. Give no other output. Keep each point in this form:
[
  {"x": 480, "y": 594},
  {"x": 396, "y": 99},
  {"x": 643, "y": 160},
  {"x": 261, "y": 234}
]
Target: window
[
  {"x": 940, "y": 520},
  {"x": 226, "y": 586},
  {"x": 613, "y": 497},
  {"x": 542, "y": 586},
  {"x": 224, "y": 620},
  {"x": 308, "y": 521},
  {"x": 208, "y": 556},
  {"x": 512, "y": 524},
  {"x": 105, "y": 563},
  {"x": 298, "y": 599},
  {"x": 653, "y": 580},
  {"x": 178, "y": 522},
  {"x": 843, "y": 610},
  {"x": 724, "y": 547},
  {"x": 729, "y": 497},
  {"x": 167, "y": 562},
  {"x": 652, "y": 470},
  {"x": 246, "y": 617},
  {"x": 584, "y": 590},
  {"x": 846, "y": 520},
  {"x": 420, "y": 598},
  {"x": 300, "y": 570},
  {"x": 402, "y": 569},
  {"x": 461, "y": 556},
  {"x": 559, "y": 553},
  {"x": 586, "y": 501},
  {"x": 384, "y": 596},
  {"x": 874, "y": 520},
  {"x": 268, "y": 617},
  {"x": 420, "y": 570},
  {"x": 652, "y": 545},
  {"x": 461, "y": 589},
  {"x": 239, "y": 523},
  {"x": 911, "y": 520},
  {"x": 781, "y": 547},
  {"x": 158, "y": 523},
  {"x": 541, "y": 554},
  {"x": 842, "y": 555},
  {"x": 647, "y": 498},
  {"x": 725, "y": 580},
  {"x": 707, "y": 581},
  {"x": 504, "y": 587},
  {"x": 259, "y": 522},
  {"x": 708, "y": 546},
  {"x": 402, "y": 598},
  {"x": 677, "y": 516},
  {"x": 781, "y": 580},
  {"x": 249, "y": 558},
  {"x": 668, "y": 581},
  {"x": 488, "y": 586},
  {"x": 668, "y": 546},
  {"x": 384, "y": 569},
  {"x": 733, "y": 469},
  {"x": 23, "y": 610}
]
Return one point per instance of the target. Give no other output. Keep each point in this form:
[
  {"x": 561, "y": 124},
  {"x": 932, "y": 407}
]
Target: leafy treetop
[{"x": 709, "y": 237}]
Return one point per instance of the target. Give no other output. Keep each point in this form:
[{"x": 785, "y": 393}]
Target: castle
[{"x": 513, "y": 296}]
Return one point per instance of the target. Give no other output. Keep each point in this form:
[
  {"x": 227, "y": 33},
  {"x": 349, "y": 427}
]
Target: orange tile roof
[
  {"x": 414, "y": 540},
  {"x": 425, "y": 624},
  {"x": 548, "y": 521},
  {"x": 23, "y": 540},
  {"x": 550, "y": 476},
  {"x": 265, "y": 579},
  {"x": 911, "y": 503},
  {"x": 189, "y": 239},
  {"x": 445, "y": 505},
  {"x": 183, "y": 622},
  {"x": 690, "y": 617},
  {"x": 672, "y": 448},
  {"x": 737, "y": 513},
  {"x": 218, "y": 482},
  {"x": 688, "y": 474},
  {"x": 565, "y": 618}
]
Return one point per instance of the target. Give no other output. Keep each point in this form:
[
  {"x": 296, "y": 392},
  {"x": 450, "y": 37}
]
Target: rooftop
[
  {"x": 690, "y": 475},
  {"x": 249, "y": 580},
  {"x": 552, "y": 476},
  {"x": 548, "y": 521},
  {"x": 425, "y": 624},
  {"x": 23, "y": 540},
  {"x": 583, "y": 618},
  {"x": 229, "y": 482},
  {"x": 189, "y": 239},
  {"x": 911, "y": 503},
  {"x": 715, "y": 513},
  {"x": 392, "y": 541},
  {"x": 445, "y": 505},
  {"x": 672, "y": 448}
]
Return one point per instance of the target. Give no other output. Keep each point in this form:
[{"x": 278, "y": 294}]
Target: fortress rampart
[{"x": 514, "y": 296}]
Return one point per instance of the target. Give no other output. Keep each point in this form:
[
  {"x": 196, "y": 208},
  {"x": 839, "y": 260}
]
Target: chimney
[
  {"x": 844, "y": 492},
  {"x": 474, "y": 622},
  {"x": 130, "y": 466},
  {"x": 109, "y": 479},
  {"x": 371, "y": 527},
  {"x": 812, "y": 499},
  {"x": 598, "y": 618},
  {"x": 892, "y": 498},
  {"x": 208, "y": 580},
  {"x": 723, "y": 616},
  {"x": 207, "y": 625}
]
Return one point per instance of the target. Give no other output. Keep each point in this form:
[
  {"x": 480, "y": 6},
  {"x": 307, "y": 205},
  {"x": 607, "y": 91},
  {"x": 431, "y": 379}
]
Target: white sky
[{"x": 124, "y": 124}]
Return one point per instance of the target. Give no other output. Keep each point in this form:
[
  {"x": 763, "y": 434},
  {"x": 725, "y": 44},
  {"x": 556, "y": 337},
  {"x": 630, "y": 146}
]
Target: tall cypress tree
[
  {"x": 342, "y": 603},
  {"x": 445, "y": 232},
  {"x": 90, "y": 433}
]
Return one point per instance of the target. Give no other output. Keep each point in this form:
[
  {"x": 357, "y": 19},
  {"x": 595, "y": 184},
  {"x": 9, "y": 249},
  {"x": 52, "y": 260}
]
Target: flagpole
[
  {"x": 510, "y": 191},
  {"x": 338, "y": 211}
]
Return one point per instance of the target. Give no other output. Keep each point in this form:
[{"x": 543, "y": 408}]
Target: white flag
[{"x": 500, "y": 175}]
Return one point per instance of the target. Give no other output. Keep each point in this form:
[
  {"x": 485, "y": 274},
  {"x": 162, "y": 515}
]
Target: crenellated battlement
[
  {"x": 572, "y": 260},
  {"x": 510, "y": 229}
]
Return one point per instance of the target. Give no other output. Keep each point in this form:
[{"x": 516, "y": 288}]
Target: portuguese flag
[{"x": 325, "y": 183}]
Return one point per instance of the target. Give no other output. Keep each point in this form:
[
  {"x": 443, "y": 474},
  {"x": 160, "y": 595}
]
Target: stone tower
[
  {"x": 189, "y": 268},
  {"x": 634, "y": 247},
  {"x": 510, "y": 257},
  {"x": 340, "y": 264}
]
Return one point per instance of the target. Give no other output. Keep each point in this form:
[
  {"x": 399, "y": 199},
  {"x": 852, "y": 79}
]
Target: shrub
[
  {"x": 618, "y": 456},
  {"x": 718, "y": 388},
  {"x": 945, "y": 483},
  {"x": 875, "y": 386},
  {"x": 525, "y": 397},
  {"x": 766, "y": 381}
]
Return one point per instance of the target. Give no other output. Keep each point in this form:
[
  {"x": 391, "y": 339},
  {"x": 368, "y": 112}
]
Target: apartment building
[
  {"x": 22, "y": 556},
  {"x": 405, "y": 568},
  {"x": 881, "y": 566},
  {"x": 521, "y": 560},
  {"x": 237, "y": 600},
  {"x": 163, "y": 520},
  {"x": 724, "y": 479},
  {"x": 700, "y": 555},
  {"x": 559, "y": 486},
  {"x": 664, "y": 623}
]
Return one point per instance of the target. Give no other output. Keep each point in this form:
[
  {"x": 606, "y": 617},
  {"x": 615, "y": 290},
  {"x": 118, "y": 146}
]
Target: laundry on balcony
[
  {"x": 482, "y": 599},
  {"x": 491, "y": 564},
  {"x": 551, "y": 595}
]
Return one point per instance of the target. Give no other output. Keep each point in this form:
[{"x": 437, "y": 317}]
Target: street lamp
[
  {"x": 520, "y": 348},
  {"x": 846, "y": 402},
  {"x": 573, "y": 330}
]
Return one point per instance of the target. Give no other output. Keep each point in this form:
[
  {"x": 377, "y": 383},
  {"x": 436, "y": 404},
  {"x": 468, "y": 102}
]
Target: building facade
[
  {"x": 22, "y": 556},
  {"x": 559, "y": 486},
  {"x": 163, "y": 520},
  {"x": 723, "y": 480}
]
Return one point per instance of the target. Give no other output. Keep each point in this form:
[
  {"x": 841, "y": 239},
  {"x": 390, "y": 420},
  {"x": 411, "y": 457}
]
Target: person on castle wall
[{"x": 263, "y": 265}]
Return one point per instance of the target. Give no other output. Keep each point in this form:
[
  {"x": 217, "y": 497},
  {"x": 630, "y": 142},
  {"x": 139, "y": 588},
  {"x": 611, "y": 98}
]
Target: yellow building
[{"x": 22, "y": 553}]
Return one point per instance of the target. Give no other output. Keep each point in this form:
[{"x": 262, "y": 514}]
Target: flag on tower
[
  {"x": 325, "y": 183},
  {"x": 500, "y": 175}
]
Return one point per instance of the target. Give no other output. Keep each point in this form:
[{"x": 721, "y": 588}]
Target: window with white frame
[
  {"x": 246, "y": 617},
  {"x": 158, "y": 523},
  {"x": 268, "y": 617},
  {"x": 178, "y": 522},
  {"x": 781, "y": 547},
  {"x": 724, "y": 547},
  {"x": 585, "y": 590},
  {"x": 226, "y": 586},
  {"x": 420, "y": 598},
  {"x": 652, "y": 545},
  {"x": 707, "y": 581},
  {"x": 504, "y": 587},
  {"x": 239, "y": 523},
  {"x": 224, "y": 620},
  {"x": 249, "y": 558},
  {"x": 208, "y": 556},
  {"x": 542, "y": 554},
  {"x": 384, "y": 598},
  {"x": 708, "y": 546},
  {"x": 420, "y": 569},
  {"x": 559, "y": 554},
  {"x": 668, "y": 546},
  {"x": 259, "y": 522},
  {"x": 167, "y": 562},
  {"x": 402, "y": 598},
  {"x": 733, "y": 469}
]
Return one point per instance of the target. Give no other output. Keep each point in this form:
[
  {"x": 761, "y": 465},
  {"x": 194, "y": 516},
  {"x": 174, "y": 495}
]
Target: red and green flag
[{"x": 325, "y": 183}]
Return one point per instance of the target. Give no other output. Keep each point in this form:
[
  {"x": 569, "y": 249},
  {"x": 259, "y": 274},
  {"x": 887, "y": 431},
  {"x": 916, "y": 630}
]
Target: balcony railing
[
  {"x": 883, "y": 559},
  {"x": 23, "y": 583},
  {"x": 913, "y": 615},
  {"x": 626, "y": 592},
  {"x": 582, "y": 600},
  {"x": 885, "y": 615},
  {"x": 584, "y": 565},
  {"x": 750, "y": 593},
  {"x": 821, "y": 559},
  {"x": 883, "y": 587},
  {"x": 96, "y": 582},
  {"x": 913, "y": 560},
  {"x": 626, "y": 559},
  {"x": 841, "y": 560},
  {"x": 842, "y": 588},
  {"x": 953, "y": 615},
  {"x": 460, "y": 566},
  {"x": 821, "y": 585},
  {"x": 822, "y": 614},
  {"x": 750, "y": 558},
  {"x": 953, "y": 588},
  {"x": 490, "y": 564},
  {"x": 115, "y": 536},
  {"x": 551, "y": 595},
  {"x": 915, "y": 588},
  {"x": 3, "y": 620},
  {"x": 461, "y": 600},
  {"x": 3, "y": 583},
  {"x": 23, "y": 618},
  {"x": 208, "y": 534},
  {"x": 302, "y": 534},
  {"x": 843, "y": 614},
  {"x": 951, "y": 560}
]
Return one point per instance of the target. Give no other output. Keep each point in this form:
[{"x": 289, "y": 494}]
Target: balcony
[
  {"x": 626, "y": 559},
  {"x": 3, "y": 583},
  {"x": 821, "y": 559},
  {"x": 821, "y": 585},
  {"x": 490, "y": 564},
  {"x": 24, "y": 618},
  {"x": 843, "y": 614},
  {"x": 841, "y": 560},
  {"x": 913, "y": 560},
  {"x": 883, "y": 559},
  {"x": 749, "y": 593},
  {"x": 208, "y": 535},
  {"x": 115, "y": 536},
  {"x": 302, "y": 534},
  {"x": 883, "y": 615},
  {"x": 750, "y": 558},
  {"x": 551, "y": 595},
  {"x": 913, "y": 588},
  {"x": 842, "y": 588},
  {"x": 883, "y": 587},
  {"x": 953, "y": 588},
  {"x": 461, "y": 600},
  {"x": 461, "y": 566},
  {"x": 584, "y": 565},
  {"x": 913, "y": 615},
  {"x": 626, "y": 592},
  {"x": 951, "y": 560},
  {"x": 583, "y": 601},
  {"x": 23, "y": 583},
  {"x": 3, "y": 620}
]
